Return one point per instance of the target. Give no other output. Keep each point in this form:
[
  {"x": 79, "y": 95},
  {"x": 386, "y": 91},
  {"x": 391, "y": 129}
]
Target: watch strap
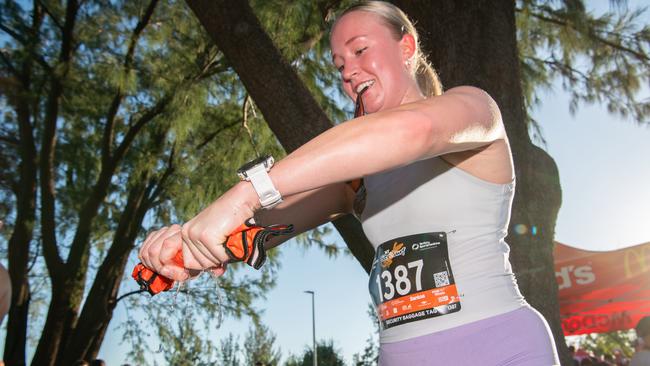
[{"x": 269, "y": 196}]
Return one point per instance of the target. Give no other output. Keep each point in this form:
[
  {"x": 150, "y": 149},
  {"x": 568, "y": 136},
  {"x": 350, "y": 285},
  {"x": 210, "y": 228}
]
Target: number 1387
[{"x": 402, "y": 285}]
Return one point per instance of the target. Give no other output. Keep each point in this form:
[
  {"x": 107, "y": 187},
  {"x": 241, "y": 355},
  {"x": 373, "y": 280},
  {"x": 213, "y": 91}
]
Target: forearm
[
  {"x": 464, "y": 118},
  {"x": 351, "y": 150},
  {"x": 306, "y": 211}
]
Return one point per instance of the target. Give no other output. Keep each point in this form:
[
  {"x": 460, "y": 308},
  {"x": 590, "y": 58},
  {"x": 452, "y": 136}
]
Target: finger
[
  {"x": 205, "y": 251},
  {"x": 170, "y": 248},
  {"x": 151, "y": 239},
  {"x": 168, "y": 241},
  {"x": 142, "y": 253},
  {"x": 154, "y": 249},
  {"x": 197, "y": 250},
  {"x": 175, "y": 273},
  {"x": 144, "y": 250},
  {"x": 193, "y": 258},
  {"x": 208, "y": 245}
]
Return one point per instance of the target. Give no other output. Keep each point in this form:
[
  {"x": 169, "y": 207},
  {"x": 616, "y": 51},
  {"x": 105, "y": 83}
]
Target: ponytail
[{"x": 426, "y": 77}]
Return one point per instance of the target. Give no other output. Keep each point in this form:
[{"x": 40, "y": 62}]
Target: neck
[{"x": 413, "y": 94}]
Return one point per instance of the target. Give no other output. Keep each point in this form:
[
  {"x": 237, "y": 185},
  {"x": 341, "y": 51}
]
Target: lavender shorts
[{"x": 520, "y": 337}]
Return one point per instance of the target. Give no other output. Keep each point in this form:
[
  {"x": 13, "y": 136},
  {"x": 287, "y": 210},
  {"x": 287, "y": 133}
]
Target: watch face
[{"x": 267, "y": 160}]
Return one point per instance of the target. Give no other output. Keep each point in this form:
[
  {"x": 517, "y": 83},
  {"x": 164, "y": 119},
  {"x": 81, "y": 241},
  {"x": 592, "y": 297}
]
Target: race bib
[{"x": 411, "y": 279}]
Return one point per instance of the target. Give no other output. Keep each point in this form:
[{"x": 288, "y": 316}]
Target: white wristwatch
[{"x": 256, "y": 172}]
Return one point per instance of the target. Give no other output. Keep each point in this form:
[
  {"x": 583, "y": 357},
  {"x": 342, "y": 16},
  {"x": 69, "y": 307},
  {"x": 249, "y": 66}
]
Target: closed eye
[{"x": 360, "y": 51}]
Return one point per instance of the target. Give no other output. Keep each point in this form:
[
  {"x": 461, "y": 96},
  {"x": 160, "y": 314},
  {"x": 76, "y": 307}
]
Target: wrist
[
  {"x": 256, "y": 172},
  {"x": 251, "y": 200}
]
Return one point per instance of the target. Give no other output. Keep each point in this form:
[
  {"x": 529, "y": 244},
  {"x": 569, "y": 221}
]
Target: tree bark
[
  {"x": 474, "y": 42},
  {"x": 85, "y": 340},
  {"x": 290, "y": 110},
  {"x": 21, "y": 238},
  {"x": 62, "y": 311}
]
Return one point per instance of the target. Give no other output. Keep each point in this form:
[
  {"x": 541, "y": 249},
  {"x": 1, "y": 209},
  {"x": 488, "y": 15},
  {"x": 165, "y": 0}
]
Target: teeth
[{"x": 365, "y": 84}]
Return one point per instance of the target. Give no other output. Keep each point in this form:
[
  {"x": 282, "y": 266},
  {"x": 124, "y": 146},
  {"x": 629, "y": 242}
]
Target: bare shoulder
[
  {"x": 471, "y": 92},
  {"x": 493, "y": 160},
  {"x": 478, "y": 98},
  {"x": 468, "y": 101}
]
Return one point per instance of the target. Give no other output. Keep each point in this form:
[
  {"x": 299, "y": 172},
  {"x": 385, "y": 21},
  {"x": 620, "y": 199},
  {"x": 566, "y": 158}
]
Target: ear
[{"x": 407, "y": 44}]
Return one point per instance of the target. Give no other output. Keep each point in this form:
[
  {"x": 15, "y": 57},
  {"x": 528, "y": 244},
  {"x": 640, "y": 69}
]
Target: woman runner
[{"x": 429, "y": 175}]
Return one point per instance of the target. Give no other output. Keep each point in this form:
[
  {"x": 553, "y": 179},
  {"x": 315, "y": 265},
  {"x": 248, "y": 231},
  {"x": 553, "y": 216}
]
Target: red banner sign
[{"x": 602, "y": 291}]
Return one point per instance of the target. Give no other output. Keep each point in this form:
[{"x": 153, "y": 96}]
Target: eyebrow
[{"x": 348, "y": 42}]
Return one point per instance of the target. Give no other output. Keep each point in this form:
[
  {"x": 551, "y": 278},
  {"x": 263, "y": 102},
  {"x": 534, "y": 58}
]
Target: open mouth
[{"x": 364, "y": 86}]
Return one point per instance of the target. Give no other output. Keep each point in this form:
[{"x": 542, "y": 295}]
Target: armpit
[{"x": 360, "y": 196}]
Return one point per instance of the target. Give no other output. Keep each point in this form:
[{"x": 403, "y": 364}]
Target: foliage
[
  {"x": 259, "y": 346},
  {"x": 600, "y": 59},
  {"x": 182, "y": 322},
  {"x": 229, "y": 349},
  {"x": 326, "y": 355},
  {"x": 609, "y": 343}
]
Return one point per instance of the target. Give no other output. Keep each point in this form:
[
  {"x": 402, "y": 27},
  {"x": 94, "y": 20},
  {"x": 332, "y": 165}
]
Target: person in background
[
  {"x": 642, "y": 355},
  {"x": 572, "y": 351}
]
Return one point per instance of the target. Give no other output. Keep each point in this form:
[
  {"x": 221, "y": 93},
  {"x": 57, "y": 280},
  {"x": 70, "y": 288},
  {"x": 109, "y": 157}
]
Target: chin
[{"x": 374, "y": 106}]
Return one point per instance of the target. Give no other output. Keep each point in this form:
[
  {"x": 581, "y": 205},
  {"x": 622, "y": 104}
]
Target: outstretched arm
[{"x": 462, "y": 119}]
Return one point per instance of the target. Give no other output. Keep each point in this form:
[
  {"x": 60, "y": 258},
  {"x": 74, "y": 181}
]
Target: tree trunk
[
  {"x": 474, "y": 42},
  {"x": 97, "y": 312},
  {"x": 21, "y": 238},
  {"x": 14, "y": 352},
  {"x": 59, "y": 316},
  {"x": 62, "y": 310},
  {"x": 290, "y": 110}
]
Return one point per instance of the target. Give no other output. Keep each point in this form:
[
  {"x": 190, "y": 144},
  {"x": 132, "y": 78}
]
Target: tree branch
[
  {"x": 137, "y": 126},
  {"x": 325, "y": 7},
  {"x": 48, "y": 12},
  {"x": 9, "y": 140},
  {"x": 641, "y": 56},
  {"x": 12, "y": 34},
  {"x": 275, "y": 87},
  {"x": 214, "y": 134},
  {"x": 48, "y": 210},
  {"x": 109, "y": 129},
  {"x": 8, "y": 64}
]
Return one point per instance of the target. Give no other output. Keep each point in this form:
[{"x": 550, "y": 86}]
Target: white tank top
[{"x": 407, "y": 208}]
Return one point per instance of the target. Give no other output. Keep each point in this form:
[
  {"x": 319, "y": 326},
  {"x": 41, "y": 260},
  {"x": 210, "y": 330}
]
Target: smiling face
[{"x": 367, "y": 54}]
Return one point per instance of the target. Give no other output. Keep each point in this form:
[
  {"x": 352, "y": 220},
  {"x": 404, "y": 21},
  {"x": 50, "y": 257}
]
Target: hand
[
  {"x": 159, "y": 253},
  {"x": 159, "y": 249},
  {"x": 204, "y": 235}
]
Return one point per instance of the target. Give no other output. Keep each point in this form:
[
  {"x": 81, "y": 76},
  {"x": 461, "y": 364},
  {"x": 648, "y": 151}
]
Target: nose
[{"x": 349, "y": 71}]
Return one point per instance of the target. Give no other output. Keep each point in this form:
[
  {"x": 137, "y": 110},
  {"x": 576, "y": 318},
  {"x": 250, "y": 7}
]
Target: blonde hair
[{"x": 399, "y": 25}]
